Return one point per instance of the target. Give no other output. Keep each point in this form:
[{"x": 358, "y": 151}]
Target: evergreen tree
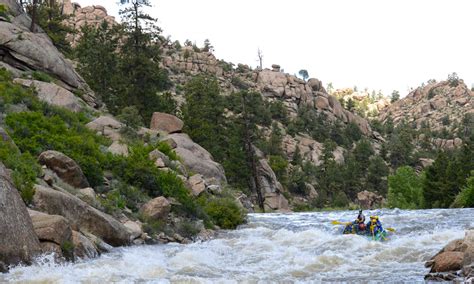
[
  {"x": 377, "y": 175},
  {"x": 99, "y": 60},
  {"x": 203, "y": 114},
  {"x": 140, "y": 62}
]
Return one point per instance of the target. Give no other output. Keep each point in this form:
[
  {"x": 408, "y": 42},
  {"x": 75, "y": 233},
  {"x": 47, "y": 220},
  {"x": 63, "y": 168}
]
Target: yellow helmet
[{"x": 374, "y": 218}]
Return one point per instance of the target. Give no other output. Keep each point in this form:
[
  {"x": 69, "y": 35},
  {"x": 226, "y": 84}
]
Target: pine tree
[{"x": 140, "y": 60}]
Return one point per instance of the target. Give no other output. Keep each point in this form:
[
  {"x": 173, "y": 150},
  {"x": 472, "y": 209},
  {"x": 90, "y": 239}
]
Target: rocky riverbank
[{"x": 455, "y": 262}]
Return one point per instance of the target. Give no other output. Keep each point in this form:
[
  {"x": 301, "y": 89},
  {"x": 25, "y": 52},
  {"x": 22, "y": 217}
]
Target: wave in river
[{"x": 296, "y": 247}]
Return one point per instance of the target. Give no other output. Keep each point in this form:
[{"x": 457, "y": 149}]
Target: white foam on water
[{"x": 293, "y": 248}]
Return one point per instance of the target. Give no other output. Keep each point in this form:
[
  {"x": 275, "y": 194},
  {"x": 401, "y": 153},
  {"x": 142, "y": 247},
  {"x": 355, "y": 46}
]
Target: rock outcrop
[
  {"x": 83, "y": 247},
  {"x": 19, "y": 242},
  {"x": 80, "y": 215},
  {"x": 369, "y": 200},
  {"x": 54, "y": 95},
  {"x": 107, "y": 126},
  {"x": 310, "y": 149},
  {"x": 436, "y": 105},
  {"x": 196, "y": 158},
  {"x": 166, "y": 122},
  {"x": 86, "y": 16},
  {"x": 66, "y": 168},
  {"x": 24, "y": 51},
  {"x": 51, "y": 228},
  {"x": 454, "y": 261}
]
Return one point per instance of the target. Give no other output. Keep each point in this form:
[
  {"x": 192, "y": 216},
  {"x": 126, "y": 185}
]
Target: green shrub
[
  {"x": 67, "y": 249},
  {"x": 466, "y": 197},
  {"x": 405, "y": 189},
  {"x": 41, "y": 76},
  {"x": 224, "y": 212},
  {"x": 25, "y": 169},
  {"x": 166, "y": 149},
  {"x": 4, "y": 12},
  {"x": 139, "y": 171},
  {"x": 34, "y": 132},
  {"x": 187, "y": 229}
]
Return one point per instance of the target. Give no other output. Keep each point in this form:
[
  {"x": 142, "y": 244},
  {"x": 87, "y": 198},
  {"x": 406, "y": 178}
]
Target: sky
[{"x": 376, "y": 44}]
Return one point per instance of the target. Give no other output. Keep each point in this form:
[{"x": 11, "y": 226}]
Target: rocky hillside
[
  {"x": 74, "y": 180},
  {"x": 437, "y": 105},
  {"x": 185, "y": 62}
]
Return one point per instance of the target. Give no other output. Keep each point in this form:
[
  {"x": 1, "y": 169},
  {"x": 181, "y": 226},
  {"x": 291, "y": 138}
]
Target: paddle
[
  {"x": 348, "y": 223},
  {"x": 340, "y": 223}
]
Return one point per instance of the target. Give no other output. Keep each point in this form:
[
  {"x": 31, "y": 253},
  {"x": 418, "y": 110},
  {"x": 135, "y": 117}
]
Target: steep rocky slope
[{"x": 436, "y": 105}]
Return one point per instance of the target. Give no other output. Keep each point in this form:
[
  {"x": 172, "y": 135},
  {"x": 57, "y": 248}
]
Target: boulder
[
  {"x": 19, "y": 242},
  {"x": 87, "y": 194},
  {"x": 80, "y": 215},
  {"x": 156, "y": 209},
  {"x": 156, "y": 155},
  {"x": 197, "y": 184},
  {"x": 456, "y": 257},
  {"x": 106, "y": 126},
  {"x": 118, "y": 148},
  {"x": 276, "y": 201},
  {"x": 51, "y": 228},
  {"x": 267, "y": 178},
  {"x": 321, "y": 103},
  {"x": 53, "y": 94},
  {"x": 368, "y": 200},
  {"x": 134, "y": 228},
  {"x": 66, "y": 168},
  {"x": 166, "y": 122},
  {"x": 316, "y": 85},
  {"x": 83, "y": 247},
  {"x": 35, "y": 51},
  {"x": 448, "y": 261},
  {"x": 196, "y": 158},
  {"x": 52, "y": 248}
]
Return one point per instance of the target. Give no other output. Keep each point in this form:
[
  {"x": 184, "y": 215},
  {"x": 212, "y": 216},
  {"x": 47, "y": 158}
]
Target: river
[{"x": 294, "y": 247}]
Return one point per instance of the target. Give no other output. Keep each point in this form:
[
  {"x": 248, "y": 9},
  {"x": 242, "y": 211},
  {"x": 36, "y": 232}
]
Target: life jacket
[{"x": 374, "y": 225}]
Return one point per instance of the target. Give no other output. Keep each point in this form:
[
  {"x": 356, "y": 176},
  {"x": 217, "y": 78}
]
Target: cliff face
[
  {"x": 23, "y": 52},
  {"x": 437, "y": 105}
]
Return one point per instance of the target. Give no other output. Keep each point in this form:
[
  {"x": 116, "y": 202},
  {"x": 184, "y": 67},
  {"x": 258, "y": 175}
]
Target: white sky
[{"x": 378, "y": 44}]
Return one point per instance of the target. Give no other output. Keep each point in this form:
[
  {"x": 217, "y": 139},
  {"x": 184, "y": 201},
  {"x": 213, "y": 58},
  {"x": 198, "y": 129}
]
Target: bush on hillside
[{"x": 24, "y": 168}]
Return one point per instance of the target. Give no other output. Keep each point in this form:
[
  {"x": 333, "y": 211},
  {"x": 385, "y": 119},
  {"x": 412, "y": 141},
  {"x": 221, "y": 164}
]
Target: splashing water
[{"x": 296, "y": 247}]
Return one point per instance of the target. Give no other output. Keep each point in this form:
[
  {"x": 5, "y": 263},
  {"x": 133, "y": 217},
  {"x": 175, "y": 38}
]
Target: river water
[{"x": 294, "y": 247}]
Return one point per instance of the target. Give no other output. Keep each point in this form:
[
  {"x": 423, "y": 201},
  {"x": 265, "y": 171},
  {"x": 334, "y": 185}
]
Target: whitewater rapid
[{"x": 290, "y": 248}]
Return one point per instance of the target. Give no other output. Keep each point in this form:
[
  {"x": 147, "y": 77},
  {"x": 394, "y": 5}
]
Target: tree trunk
[{"x": 33, "y": 16}]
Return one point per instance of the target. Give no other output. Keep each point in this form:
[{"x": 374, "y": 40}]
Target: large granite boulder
[
  {"x": 80, "y": 215},
  {"x": 26, "y": 51},
  {"x": 54, "y": 95},
  {"x": 456, "y": 258},
  {"x": 369, "y": 200},
  {"x": 196, "y": 158},
  {"x": 19, "y": 242},
  {"x": 156, "y": 209},
  {"x": 83, "y": 247},
  {"x": 166, "y": 122},
  {"x": 107, "y": 126},
  {"x": 66, "y": 168},
  {"x": 51, "y": 228}
]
